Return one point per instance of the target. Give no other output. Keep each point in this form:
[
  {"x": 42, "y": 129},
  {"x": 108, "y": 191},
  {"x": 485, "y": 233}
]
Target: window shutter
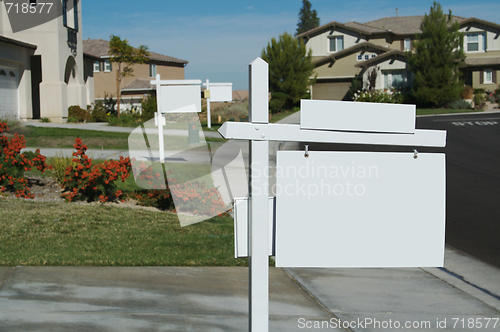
[
  {"x": 494, "y": 76},
  {"x": 65, "y": 13},
  {"x": 481, "y": 77},
  {"x": 75, "y": 11},
  {"x": 402, "y": 44}
]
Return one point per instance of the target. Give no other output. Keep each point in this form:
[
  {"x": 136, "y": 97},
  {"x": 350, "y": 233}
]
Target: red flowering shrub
[
  {"x": 198, "y": 199},
  {"x": 194, "y": 197},
  {"x": 13, "y": 164},
  {"x": 91, "y": 182},
  {"x": 155, "y": 197}
]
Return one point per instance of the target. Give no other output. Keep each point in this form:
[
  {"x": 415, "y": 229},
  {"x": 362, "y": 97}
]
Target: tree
[
  {"x": 123, "y": 54},
  {"x": 436, "y": 59},
  {"x": 307, "y": 19},
  {"x": 290, "y": 69}
]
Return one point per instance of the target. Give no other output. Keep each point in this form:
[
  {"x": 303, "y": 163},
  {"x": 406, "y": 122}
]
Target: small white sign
[
  {"x": 360, "y": 209},
  {"x": 241, "y": 216},
  {"x": 180, "y": 98},
  {"x": 356, "y": 116},
  {"x": 220, "y": 92}
]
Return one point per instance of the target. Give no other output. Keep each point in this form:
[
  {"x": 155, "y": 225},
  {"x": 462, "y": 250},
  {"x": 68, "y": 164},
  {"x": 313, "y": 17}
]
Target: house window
[
  {"x": 488, "y": 76},
  {"x": 374, "y": 55},
  {"x": 360, "y": 57},
  {"x": 97, "y": 67},
  {"x": 367, "y": 56},
  {"x": 407, "y": 45},
  {"x": 70, "y": 14},
  {"x": 107, "y": 66},
  {"x": 397, "y": 79},
  {"x": 152, "y": 70},
  {"x": 476, "y": 42},
  {"x": 336, "y": 44}
]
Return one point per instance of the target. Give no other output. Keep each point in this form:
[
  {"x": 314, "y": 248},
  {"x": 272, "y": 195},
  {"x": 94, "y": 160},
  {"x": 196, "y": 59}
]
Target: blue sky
[{"x": 220, "y": 38}]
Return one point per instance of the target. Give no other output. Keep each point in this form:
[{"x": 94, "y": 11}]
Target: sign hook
[
  {"x": 415, "y": 154},
  {"x": 306, "y": 154}
]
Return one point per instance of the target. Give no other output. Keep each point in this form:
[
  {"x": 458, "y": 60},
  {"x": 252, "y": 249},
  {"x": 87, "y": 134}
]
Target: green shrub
[
  {"x": 235, "y": 110},
  {"x": 459, "y": 104},
  {"x": 79, "y": 113},
  {"x": 59, "y": 164},
  {"x": 45, "y": 120},
  {"x": 98, "y": 112},
  {"x": 149, "y": 107},
  {"x": 278, "y": 102},
  {"x": 496, "y": 95}
]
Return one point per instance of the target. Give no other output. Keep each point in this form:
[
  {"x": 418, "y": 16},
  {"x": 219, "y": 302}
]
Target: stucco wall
[{"x": 105, "y": 82}]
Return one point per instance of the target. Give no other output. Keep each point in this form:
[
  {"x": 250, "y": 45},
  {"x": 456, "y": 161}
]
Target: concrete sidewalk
[{"x": 216, "y": 298}]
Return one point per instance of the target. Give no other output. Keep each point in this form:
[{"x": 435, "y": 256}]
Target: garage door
[
  {"x": 8, "y": 93},
  {"x": 330, "y": 90}
]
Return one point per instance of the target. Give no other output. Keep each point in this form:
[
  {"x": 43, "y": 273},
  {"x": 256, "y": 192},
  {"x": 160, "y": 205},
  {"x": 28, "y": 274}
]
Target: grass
[
  {"x": 65, "y": 138},
  {"x": 71, "y": 234},
  {"x": 436, "y": 111}
]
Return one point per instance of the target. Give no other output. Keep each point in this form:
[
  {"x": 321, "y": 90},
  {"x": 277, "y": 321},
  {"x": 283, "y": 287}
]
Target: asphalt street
[{"x": 473, "y": 179}]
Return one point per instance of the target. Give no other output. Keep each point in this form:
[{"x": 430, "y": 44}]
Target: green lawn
[
  {"x": 431, "y": 111},
  {"x": 65, "y": 138},
  {"x": 40, "y": 233}
]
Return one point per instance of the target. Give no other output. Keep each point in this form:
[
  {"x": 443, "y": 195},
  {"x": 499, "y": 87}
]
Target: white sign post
[
  {"x": 175, "y": 96},
  {"x": 339, "y": 127},
  {"x": 217, "y": 92}
]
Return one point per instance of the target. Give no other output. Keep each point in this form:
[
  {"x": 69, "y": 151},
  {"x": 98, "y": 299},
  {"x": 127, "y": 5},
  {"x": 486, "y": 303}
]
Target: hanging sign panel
[
  {"x": 221, "y": 92},
  {"x": 180, "y": 98},
  {"x": 360, "y": 209},
  {"x": 357, "y": 116}
]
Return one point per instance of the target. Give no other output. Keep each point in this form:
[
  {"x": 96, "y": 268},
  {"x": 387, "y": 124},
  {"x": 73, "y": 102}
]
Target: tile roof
[
  {"x": 400, "y": 25},
  {"x": 482, "y": 61},
  {"x": 99, "y": 48}
]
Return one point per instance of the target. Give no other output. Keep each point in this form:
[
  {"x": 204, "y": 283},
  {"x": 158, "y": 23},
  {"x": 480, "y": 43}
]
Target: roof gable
[{"x": 350, "y": 50}]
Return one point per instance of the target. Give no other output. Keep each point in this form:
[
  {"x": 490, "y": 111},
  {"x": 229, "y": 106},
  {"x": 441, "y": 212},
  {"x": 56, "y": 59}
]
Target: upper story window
[
  {"x": 70, "y": 14},
  {"x": 152, "y": 70},
  {"x": 365, "y": 56},
  {"x": 97, "y": 67},
  {"x": 407, "y": 45},
  {"x": 107, "y": 66},
  {"x": 475, "y": 42},
  {"x": 336, "y": 43}
]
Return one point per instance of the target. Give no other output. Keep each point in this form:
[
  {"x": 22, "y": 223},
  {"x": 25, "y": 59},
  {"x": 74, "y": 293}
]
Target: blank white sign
[
  {"x": 360, "y": 209},
  {"x": 357, "y": 116},
  {"x": 180, "y": 98},
  {"x": 221, "y": 92},
  {"x": 241, "y": 214}
]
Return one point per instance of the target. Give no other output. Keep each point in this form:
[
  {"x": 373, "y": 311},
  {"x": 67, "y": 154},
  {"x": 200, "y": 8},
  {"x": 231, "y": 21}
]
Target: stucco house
[
  {"x": 343, "y": 50},
  {"x": 133, "y": 88},
  {"x": 43, "y": 69}
]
